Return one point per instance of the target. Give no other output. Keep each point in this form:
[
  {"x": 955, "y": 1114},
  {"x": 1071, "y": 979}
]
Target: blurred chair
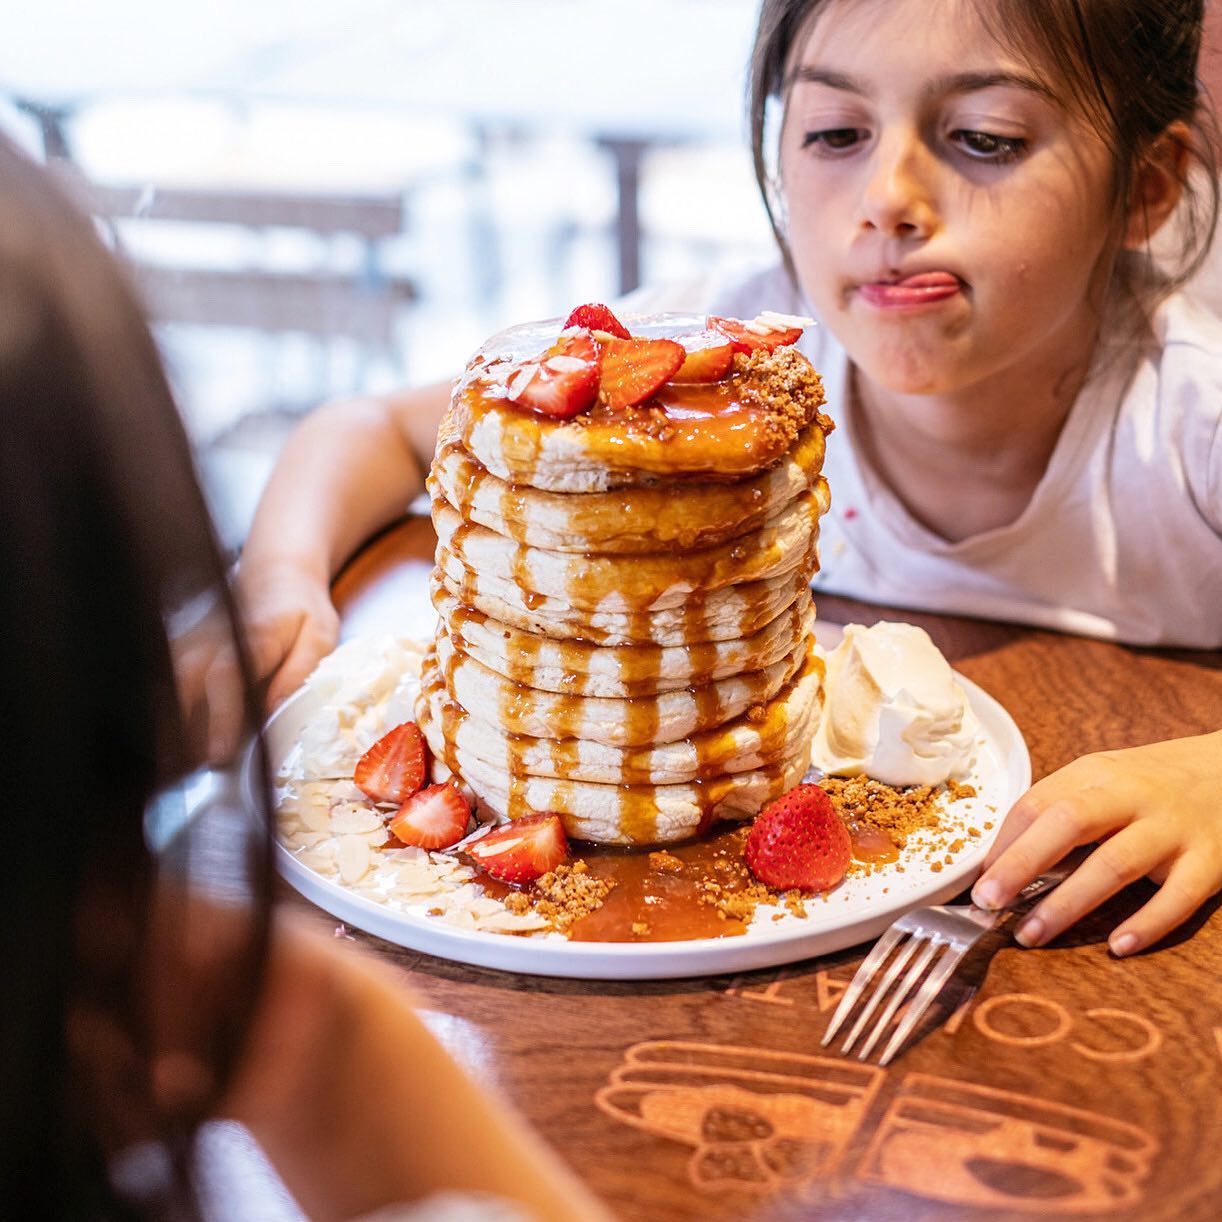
[
  {"x": 359, "y": 304},
  {"x": 288, "y": 264}
]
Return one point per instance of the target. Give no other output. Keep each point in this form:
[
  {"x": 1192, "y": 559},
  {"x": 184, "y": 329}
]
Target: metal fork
[{"x": 952, "y": 929}]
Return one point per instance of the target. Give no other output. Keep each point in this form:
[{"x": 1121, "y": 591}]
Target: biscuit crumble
[
  {"x": 563, "y": 895},
  {"x": 785, "y": 385}
]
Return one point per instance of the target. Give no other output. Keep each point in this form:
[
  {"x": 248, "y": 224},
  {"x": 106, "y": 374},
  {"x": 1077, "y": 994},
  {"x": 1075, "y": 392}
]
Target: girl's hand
[
  {"x": 290, "y": 622},
  {"x": 1157, "y": 811}
]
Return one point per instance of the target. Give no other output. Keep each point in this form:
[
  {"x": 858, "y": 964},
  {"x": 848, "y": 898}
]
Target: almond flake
[
  {"x": 521, "y": 380},
  {"x": 349, "y": 819},
  {"x": 345, "y": 790},
  {"x": 418, "y": 890},
  {"x": 504, "y": 846},
  {"x": 511, "y": 922},
  {"x": 499, "y": 370},
  {"x": 564, "y": 364},
  {"x": 316, "y": 816},
  {"x": 306, "y": 840},
  {"x": 318, "y": 860},
  {"x": 413, "y": 877},
  {"x": 783, "y": 322},
  {"x": 354, "y": 858}
]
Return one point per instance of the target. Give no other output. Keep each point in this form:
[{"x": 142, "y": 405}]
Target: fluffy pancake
[
  {"x": 649, "y": 582},
  {"x": 622, "y": 814},
  {"x": 579, "y": 668},
  {"x": 637, "y": 520},
  {"x": 776, "y": 729},
  {"x": 721, "y": 615},
  {"x": 636, "y": 722}
]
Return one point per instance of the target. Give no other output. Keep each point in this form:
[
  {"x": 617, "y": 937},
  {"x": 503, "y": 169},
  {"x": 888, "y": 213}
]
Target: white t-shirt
[{"x": 1122, "y": 538}]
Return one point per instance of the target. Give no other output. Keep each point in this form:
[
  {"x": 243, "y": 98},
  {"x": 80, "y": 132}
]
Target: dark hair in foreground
[
  {"x": 105, "y": 538},
  {"x": 1129, "y": 65}
]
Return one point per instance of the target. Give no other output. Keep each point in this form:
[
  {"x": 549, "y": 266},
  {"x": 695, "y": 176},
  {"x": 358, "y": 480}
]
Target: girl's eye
[
  {"x": 834, "y": 139},
  {"x": 985, "y": 146}
]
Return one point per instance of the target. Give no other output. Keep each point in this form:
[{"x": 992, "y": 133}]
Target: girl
[
  {"x": 146, "y": 986},
  {"x": 1030, "y": 414}
]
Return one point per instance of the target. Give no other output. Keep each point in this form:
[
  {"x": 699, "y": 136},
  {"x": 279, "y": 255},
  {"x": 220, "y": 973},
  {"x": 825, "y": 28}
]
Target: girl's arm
[
  {"x": 349, "y": 469},
  {"x": 1156, "y": 811},
  {"x": 358, "y": 1107}
]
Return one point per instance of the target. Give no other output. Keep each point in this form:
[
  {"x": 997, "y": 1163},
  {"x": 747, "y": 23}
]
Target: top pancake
[{"x": 728, "y": 430}]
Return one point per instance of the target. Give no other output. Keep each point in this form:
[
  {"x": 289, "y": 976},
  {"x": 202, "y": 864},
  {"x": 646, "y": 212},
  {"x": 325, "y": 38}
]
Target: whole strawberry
[{"x": 798, "y": 841}]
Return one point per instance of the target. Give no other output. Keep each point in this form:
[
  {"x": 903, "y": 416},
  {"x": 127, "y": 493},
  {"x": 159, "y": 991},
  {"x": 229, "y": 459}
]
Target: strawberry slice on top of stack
[{"x": 597, "y": 360}]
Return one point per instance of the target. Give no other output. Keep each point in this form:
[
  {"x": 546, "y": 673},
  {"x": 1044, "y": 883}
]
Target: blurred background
[
  {"x": 327, "y": 198},
  {"x": 324, "y": 198}
]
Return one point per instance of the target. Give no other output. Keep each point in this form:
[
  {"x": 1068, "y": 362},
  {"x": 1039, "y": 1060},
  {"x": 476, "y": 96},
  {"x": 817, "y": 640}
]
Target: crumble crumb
[
  {"x": 664, "y": 862},
  {"x": 897, "y": 813},
  {"x": 786, "y": 385},
  {"x": 958, "y": 790},
  {"x": 566, "y": 894},
  {"x": 518, "y": 902}
]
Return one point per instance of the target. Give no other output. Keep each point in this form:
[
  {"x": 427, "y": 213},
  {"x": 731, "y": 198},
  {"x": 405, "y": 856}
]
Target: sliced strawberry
[
  {"x": 709, "y": 358},
  {"x": 563, "y": 381},
  {"x": 760, "y": 333},
  {"x": 434, "y": 818},
  {"x": 596, "y": 317},
  {"x": 799, "y": 841},
  {"x": 393, "y": 768},
  {"x": 523, "y": 849},
  {"x": 632, "y": 369}
]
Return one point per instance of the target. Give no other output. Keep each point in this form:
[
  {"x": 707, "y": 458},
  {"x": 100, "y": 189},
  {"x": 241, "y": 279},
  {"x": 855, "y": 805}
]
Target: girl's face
[{"x": 949, "y": 220}]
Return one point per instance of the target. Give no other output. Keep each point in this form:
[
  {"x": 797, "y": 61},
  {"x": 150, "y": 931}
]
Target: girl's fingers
[
  {"x": 1054, "y": 831},
  {"x": 1190, "y": 882},
  {"x": 1020, "y": 817},
  {"x": 1066, "y": 792},
  {"x": 1121, "y": 860},
  {"x": 312, "y": 643}
]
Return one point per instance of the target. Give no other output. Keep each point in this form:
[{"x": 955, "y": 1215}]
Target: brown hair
[
  {"x": 106, "y": 540},
  {"x": 1129, "y": 65}
]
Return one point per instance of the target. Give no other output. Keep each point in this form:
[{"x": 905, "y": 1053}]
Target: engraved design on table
[
  {"x": 756, "y": 1120},
  {"x": 766, "y": 1122},
  {"x": 979, "y": 1146}
]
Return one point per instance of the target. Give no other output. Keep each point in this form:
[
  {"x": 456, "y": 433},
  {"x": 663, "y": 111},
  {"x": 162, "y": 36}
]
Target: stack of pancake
[{"x": 624, "y": 632}]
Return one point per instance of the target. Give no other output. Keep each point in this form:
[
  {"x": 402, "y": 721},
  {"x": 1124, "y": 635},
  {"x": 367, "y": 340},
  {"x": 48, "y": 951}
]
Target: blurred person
[{"x": 148, "y": 985}]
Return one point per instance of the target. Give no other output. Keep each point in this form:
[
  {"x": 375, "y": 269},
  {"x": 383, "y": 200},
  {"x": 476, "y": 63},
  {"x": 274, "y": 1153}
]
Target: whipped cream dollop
[{"x": 893, "y": 710}]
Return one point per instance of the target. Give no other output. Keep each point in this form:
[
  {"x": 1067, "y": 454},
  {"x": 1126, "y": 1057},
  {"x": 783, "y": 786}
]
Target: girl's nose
[{"x": 897, "y": 198}]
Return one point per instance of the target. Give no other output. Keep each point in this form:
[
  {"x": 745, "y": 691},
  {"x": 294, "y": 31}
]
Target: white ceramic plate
[{"x": 856, "y": 911}]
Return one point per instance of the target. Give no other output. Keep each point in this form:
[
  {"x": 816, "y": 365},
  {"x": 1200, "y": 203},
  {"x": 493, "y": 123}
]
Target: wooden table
[{"x": 1064, "y": 1083}]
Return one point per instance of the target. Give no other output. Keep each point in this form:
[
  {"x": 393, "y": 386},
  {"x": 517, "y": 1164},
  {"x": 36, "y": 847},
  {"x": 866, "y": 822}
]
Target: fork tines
[{"x": 919, "y": 953}]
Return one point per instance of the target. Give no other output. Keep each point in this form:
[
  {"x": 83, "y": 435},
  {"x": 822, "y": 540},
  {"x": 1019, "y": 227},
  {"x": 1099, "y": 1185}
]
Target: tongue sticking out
[
  {"x": 924, "y": 288},
  {"x": 929, "y": 280}
]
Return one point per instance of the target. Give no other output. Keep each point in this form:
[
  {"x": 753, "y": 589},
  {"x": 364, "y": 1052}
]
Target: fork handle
[{"x": 1052, "y": 877}]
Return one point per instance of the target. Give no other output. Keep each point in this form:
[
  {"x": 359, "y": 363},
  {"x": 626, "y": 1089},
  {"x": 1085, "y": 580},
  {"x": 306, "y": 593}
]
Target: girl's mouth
[{"x": 924, "y": 288}]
